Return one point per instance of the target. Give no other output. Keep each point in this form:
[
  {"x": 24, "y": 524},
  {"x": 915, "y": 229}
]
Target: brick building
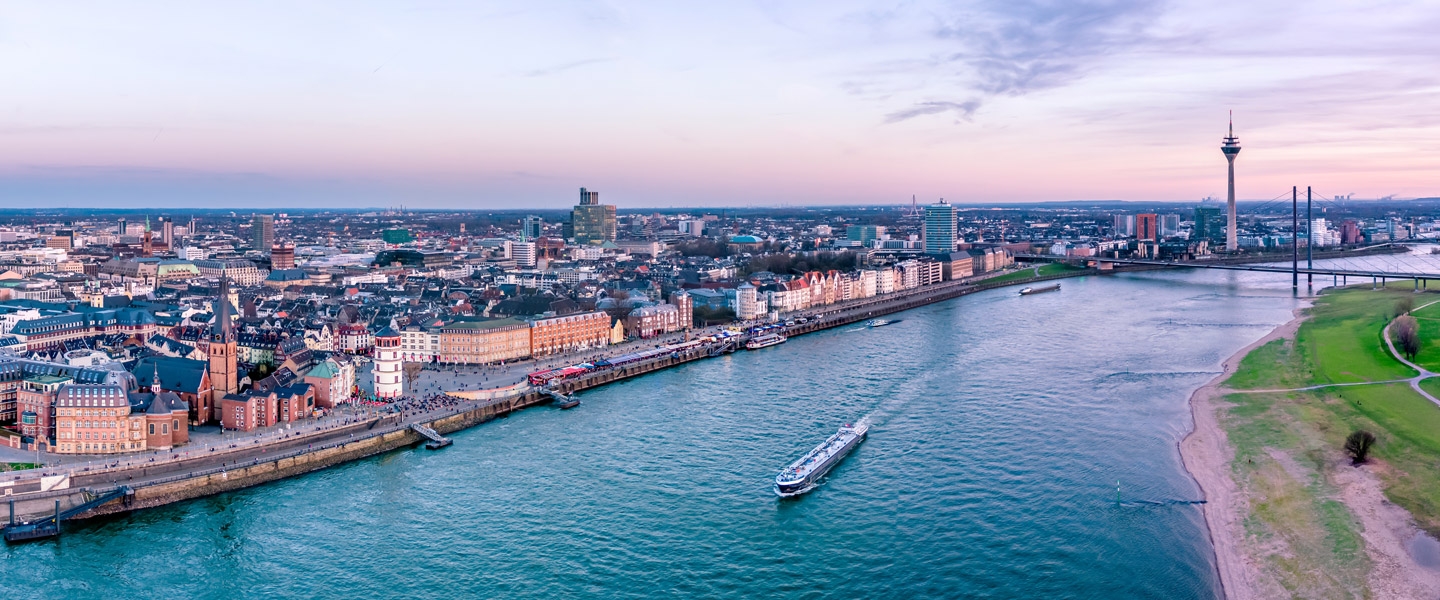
[
  {"x": 551, "y": 335},
  {"x": 478, "y": 342}
]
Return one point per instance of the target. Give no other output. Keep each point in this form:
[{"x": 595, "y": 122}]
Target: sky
[{"x": 499, "y": 105}]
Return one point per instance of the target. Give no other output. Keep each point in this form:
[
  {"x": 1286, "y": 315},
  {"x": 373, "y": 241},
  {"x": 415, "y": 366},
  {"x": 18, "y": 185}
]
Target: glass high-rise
[
  {"x": 530, "y": 228},
  {"x": 593, "y": 222},
  {"x": 940, "y": 230}
]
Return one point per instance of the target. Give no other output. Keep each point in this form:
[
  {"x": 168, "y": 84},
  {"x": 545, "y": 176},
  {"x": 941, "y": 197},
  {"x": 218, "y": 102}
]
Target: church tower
[{"x": 222, "y": 352}]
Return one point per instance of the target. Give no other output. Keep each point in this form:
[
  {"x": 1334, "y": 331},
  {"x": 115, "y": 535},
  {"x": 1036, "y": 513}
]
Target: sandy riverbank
[
  {"x": 1207, "y": 454},
  {"x": 1387, "y": 529}
]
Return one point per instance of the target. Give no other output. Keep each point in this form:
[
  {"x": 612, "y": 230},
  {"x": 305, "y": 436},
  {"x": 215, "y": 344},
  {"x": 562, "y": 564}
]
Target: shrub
[{"x": 1358, "y": 444}]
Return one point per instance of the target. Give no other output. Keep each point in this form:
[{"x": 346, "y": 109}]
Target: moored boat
[
  {"x": 803, "y": 474},
  {"x": 765, "y": 341}
]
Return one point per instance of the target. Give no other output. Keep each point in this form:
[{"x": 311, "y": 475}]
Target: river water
[{"x": 1001, "y": 426}]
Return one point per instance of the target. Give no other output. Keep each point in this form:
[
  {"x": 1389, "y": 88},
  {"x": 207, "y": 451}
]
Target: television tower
[{"x": 1231, "y": 147}]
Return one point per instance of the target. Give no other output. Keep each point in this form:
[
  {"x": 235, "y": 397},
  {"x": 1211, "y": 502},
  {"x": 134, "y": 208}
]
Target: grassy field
[
  {"x": 1340, "y": 343},
  {"x": 1288, "y": 444},
  {"x": 1429, "y": 320},
  {"x": 1049, "y": 269},
  {"x": 16, "y": 466}
]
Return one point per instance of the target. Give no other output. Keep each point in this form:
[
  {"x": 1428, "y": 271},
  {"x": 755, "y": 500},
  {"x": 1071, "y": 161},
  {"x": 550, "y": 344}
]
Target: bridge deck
[{"x": 1242, "y": 267}]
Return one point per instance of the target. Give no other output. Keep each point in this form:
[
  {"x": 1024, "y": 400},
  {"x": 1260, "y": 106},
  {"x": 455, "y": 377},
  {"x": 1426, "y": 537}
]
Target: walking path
[
  {"x": 1424, "y": 373},
  {"x": 1389, "y": 343}
]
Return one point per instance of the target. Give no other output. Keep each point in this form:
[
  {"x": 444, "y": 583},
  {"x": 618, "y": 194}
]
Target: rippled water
[{"x": 1002, "y": 424}]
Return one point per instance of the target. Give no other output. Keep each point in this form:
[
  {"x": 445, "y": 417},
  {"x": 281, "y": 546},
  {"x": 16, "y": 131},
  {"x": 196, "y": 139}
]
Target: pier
[{"x": 50, "y": 526}]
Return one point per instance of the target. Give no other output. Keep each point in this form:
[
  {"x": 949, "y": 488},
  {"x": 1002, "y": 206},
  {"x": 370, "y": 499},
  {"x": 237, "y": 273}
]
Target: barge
[{"x": 803, "y": 474}]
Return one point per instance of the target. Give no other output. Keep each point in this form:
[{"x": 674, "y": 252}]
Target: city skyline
[{"x": 773, "y": 104}]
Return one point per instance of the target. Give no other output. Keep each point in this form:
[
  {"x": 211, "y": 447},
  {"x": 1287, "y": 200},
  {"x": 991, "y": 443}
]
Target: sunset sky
[{"x": 514, "y": 105}]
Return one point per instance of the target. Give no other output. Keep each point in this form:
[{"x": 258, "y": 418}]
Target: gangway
[
  {"x": 727, "y": 346},
  {"x": 50, "y": 526},
  {"x": 561, "y": 400},
  {"x": 436, "y": 442}
]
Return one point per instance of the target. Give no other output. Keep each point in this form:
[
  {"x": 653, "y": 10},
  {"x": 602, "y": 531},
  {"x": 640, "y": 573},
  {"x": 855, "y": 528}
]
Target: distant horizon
[{"x": 249, "y": 210}]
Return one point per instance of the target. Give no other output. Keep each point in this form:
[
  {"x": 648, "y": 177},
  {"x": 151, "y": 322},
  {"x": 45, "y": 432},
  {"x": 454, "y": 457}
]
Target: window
[{"x": 152, "y": 429}]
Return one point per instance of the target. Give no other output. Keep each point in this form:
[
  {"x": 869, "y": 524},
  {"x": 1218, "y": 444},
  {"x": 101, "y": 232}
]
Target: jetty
[{"x": 49, "y": 526}]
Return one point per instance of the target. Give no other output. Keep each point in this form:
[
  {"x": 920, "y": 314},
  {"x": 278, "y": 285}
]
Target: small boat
[
  {"x": 1040, "y": 290},
  {"x": 765, "y": 341},
  {"x": 568, "y": 403},
  {"x": 881, "y": 322},
  {"x": 803, "y": 475}
]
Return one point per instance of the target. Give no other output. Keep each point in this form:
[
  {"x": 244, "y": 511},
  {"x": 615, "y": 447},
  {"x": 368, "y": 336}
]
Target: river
[{"x": 1001, "y": 426}]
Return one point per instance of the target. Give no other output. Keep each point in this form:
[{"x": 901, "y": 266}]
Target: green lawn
[
  {"x": 1286, "y": 444},
  {"x": 1048, "y": 269},
  {"x": 16, "y": 466},
  {"x": 1340, "y": 343},
  {"x": 1429, "y": 320}
]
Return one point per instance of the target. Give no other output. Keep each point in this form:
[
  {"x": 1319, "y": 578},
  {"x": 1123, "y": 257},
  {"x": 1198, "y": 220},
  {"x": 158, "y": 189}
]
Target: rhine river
[{"x": 1001, "y": 425}]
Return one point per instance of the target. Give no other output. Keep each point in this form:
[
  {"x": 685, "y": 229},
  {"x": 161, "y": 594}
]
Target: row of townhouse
[
  {"x": 477, "y": 341},
  {"x": 819, "y": 289}
]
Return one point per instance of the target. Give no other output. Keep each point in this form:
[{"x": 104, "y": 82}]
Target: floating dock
[{"x": 50, "y": 526}]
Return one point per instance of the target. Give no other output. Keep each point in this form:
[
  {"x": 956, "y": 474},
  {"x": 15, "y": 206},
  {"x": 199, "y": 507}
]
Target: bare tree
[
  {"x": 1404, "y": 305},
  {"x": 1407, "y": 333},
  {"x": 1358, "y": 444}
]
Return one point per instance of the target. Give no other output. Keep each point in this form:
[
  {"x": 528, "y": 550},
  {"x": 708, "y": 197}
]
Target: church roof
[
  {"x": 221, "y": 330},
  {"x": 176, "y": 374}
]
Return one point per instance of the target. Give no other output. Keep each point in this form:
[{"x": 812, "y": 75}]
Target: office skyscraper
[
  {"x": 530, "y": 228},
  {"x": 593, "y": 222},
  {"x": 263, "y": 231},
  {"x": 1169, "y": 225},
  {"x": 1207, "y": 223},
  {"x": 865, "y": 234},
  {"x": 282, "y": 256},
  {"x": 1231, "y": 148},
  {"x": 1146, "y": 227},
  {"x": 940, "y": 228}
]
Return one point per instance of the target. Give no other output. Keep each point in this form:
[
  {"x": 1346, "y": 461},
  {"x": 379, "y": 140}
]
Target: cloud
[
  {"x": 1014, "y": 47},
  {"x": 962, "y": 110},
  {"x": 560, "y": 68},
  {"x": 1009, "y": 48}
]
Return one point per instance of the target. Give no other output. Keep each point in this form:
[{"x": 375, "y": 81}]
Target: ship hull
[
  {"x": 758, "y": 343},
  {"x": 790, "y": 488}
]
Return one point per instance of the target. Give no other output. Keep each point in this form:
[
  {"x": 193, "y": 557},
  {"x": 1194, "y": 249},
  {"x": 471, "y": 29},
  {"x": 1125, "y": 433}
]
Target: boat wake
[{"x": 894, "y": 402}]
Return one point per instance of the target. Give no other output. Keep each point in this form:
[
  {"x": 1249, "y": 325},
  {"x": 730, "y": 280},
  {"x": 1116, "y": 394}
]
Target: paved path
[
  {"x": 1385, "y": 333},
  {"x": 1317, "y": 387},
  {"x": 1424, "y": 373}
]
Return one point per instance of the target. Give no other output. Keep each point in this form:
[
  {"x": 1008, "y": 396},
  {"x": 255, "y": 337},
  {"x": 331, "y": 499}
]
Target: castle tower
[
  {"x": 1231, "y": 148},
  {"x": 223, "y": 379},
  {"x": 389, "y": 379}
]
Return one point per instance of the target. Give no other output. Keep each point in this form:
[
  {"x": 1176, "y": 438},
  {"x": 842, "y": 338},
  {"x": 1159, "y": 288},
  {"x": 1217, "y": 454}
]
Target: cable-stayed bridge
[{"x": 1377, "y": 268}]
